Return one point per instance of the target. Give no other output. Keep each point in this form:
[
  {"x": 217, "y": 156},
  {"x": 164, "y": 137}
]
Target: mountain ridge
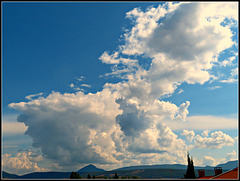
[
  {"x": 90, "y": 168},
  {"x": 227, "y": 165},
  {"x": 93, "y": 169}
]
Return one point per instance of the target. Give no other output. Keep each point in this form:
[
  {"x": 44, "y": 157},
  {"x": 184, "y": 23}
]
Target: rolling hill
[
  {"x": 8, "y": 175},
  {"x": 140, "y": 171},
  {"x": 225, "y": 166}
]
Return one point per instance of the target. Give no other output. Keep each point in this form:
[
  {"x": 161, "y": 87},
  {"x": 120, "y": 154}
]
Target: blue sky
[
  {"x": 103, "y": 71},
  {"x": 55, "y": 40}
]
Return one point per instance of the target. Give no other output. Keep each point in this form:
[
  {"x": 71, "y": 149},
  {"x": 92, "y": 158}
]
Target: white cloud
[
  {"x": 228, "y": 157},
  {"x": 145, "y": 23},
  {"x": 214, "y": 87},
  {"x": 188, "y": 134},
  {"x": 200, "y": 122},
  {"x": 182, "y": 111},
  {"x": 109, "y": 59},
  {"x": 205, "y": 133},
  {"x": 236, "y": 138},
  {"x": 13, "y": 128},
  {"x": 159, "y": 139},
  {"x": 229, "y": 60},
  {"x": 231, "y": 156},
  {"x": 23, "y": 163},
  {"x": 180, "y": 91},
  {"x": 10, "y": 126},
  {"x": 86, "y": 85},
  {"x": 81, "y": 78},
  {"x": 217, "y": 140},
  {"x": 29, "y": 97},
  {"x": 191, "y": 25},
  {"x": 121, "y": 65},
  {"x": 232, "y": 78},
  {"x": 78, "y": 89},
  {"x": 207, "y": 160},
  {"x": 234, "y": 72}
]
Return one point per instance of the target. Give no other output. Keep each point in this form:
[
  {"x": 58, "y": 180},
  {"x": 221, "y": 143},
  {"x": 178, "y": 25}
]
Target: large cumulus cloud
[
  {"x": 99, "y": 128},
  {"x": 60, "y": 124}
]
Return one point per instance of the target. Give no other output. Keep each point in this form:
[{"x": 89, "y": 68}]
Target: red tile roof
[
  {"x": 231, "y": 174},
  {"x": 205, "y": 177}
]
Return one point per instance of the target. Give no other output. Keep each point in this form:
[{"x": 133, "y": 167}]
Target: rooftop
[{"x": 231, "y": 174}]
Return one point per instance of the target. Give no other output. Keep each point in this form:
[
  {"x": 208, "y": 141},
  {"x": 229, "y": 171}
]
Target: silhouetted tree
[
  {"x": 72, "y": 175},
  {"x": 89, "y": 176},
  {"x": 75, "y": 175},
  {"x": 190, "y": 174},
  {"x": 116, "y": 176}
]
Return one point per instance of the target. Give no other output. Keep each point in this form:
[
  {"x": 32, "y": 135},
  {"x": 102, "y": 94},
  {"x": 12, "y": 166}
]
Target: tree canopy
[
  {"x": 190, "y": 174},
  {"x": 116, "y": 176},
  {"x": 89, "y": 176},
  {"x": 75, "y": 175}
]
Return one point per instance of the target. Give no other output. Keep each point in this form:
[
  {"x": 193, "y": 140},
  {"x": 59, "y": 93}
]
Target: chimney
[
  {"x": 201, "y": 173},
  {"x": 218, "y": 170}
]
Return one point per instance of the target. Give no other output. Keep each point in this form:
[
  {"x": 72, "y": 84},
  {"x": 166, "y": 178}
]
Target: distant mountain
[
  {"x": 8, "y": 175},
  {"x": 229, "y": 165},
  {"x": 90, "y": 168},
  {"x": 226, "y": 166},
  {"x": 164, "y": 166},
  {"x": 143, "y": 167}
]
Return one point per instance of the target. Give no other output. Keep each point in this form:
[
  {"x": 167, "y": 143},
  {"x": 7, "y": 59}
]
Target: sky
[{"x": 118, "y": 84}]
